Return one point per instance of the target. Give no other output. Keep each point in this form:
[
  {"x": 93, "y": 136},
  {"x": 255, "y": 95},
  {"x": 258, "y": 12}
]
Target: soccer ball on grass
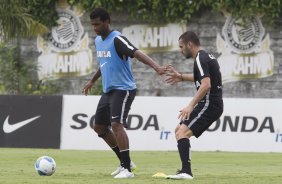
[{"x": 45, "y": 166}]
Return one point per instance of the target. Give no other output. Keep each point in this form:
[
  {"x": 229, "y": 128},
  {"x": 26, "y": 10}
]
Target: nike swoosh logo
[
  {"x": 113, "y": 117},
  {"x": 8, "y": 128},
  {"x": 102, "y": 64}
]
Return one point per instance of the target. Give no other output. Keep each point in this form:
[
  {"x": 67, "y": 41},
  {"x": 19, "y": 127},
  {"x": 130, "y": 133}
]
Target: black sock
[
  {"x": 117, "y": 151},
  {"x": 125, "y": 159},
  {"x": 184, "y": 153}
]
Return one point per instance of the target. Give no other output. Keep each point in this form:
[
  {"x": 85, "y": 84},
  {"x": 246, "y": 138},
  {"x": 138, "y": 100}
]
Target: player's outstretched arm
[
  {"x": 138, "y": 54},
  {"x": 174, "y": 76}
]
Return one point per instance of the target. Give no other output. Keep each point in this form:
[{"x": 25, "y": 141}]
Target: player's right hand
[
  {"x": 87, "y": 88},
  {"x": 173, "y": 76},
  {"x": 160, "y": 70},
  {"x": 185, "y": 113}
]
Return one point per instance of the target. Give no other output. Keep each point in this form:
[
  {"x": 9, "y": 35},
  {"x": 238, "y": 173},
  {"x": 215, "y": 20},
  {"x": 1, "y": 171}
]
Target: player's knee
[
  {"x": 104, "y": 133},
  {"x": 96, "y": 128},
  {"x": 181, "y": 133},
  {"x": 177, "y": 135},
  {"x": 176, "y": 132},
  {"x": 189, "y": 133},
  {"x": 117, "y": 127},
  {"x": 176, "y": 129}
]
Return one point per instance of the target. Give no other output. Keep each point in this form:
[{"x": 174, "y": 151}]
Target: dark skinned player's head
[
  {"x": 100, "y": 20},
  {"x": 100, "y": 13}
]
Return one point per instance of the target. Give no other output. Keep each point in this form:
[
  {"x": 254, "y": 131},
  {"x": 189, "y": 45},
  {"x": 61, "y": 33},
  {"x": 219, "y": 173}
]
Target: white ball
[{"x": 45, "y": 166}]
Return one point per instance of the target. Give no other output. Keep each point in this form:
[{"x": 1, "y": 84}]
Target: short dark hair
[
  {"x": 190, "y": 36},
  {"x": 100, "y": 12}
]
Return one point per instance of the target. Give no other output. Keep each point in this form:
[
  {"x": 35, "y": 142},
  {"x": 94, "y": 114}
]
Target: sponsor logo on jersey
[{"x": 103, "y": 54}]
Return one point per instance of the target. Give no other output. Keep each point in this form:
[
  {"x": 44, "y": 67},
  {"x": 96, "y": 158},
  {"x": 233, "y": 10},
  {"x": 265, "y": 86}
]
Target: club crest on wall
[
  {"x": 244, "y": 49},
  {"x": 65, "y": 52}
]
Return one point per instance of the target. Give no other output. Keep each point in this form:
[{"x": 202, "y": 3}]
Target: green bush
[{"x": 17, "y": 77}]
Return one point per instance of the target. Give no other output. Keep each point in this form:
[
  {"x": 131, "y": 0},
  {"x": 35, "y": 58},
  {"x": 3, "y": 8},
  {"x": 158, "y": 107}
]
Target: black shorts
[
  {"x": 203, "y": 115},
  {"x": 114, "y": 107}
]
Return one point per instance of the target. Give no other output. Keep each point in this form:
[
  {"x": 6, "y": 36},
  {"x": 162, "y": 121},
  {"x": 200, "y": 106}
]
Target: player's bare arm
[
  {"x": 188, "y": 77},
  {"x": 202, "y": 91},
  {"x": 89, "y": 84},
  {"x": 174, "y": 76},
  {"x": 138, "y": 54}
]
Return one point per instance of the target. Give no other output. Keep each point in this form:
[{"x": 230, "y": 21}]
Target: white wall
[{"x": 259, "y": 125}]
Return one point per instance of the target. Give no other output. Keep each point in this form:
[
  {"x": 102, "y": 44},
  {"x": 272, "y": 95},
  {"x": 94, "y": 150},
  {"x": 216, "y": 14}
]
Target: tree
[
  {"x": 270, "y": 10},
  {"x": 176, "y": 10},
  {"x": 17, "y": 77},
  {"x": 30, "y": 17},
  {"x": 17, "y": 22}
]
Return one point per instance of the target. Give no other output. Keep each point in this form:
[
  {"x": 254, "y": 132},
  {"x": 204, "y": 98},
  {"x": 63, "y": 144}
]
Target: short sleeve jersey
[
  {"x": 206, "y": 65},
  {"x": 114, "y": 55}
]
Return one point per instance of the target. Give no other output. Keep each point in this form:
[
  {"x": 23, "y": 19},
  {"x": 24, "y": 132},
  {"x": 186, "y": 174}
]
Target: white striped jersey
[{"x": 206, "y": 65}]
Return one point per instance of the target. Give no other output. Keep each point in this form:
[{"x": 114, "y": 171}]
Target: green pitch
[{"x": 85, "y": 167}]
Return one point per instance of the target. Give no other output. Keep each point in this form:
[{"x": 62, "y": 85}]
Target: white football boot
[
  {"x": 180, "y": 176},
  {"x": 124, "y": 173},
  {"x": 119, "y": 168}
]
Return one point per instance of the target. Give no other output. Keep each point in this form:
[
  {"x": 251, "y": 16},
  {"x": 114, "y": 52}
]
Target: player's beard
[{"x": 187, "y": 54}]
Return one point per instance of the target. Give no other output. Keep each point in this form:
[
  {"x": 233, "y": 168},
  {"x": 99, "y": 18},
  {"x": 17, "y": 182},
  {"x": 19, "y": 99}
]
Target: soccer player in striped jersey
[
  {"x": 114, "y": 53},
  {"x": 205, "y": 107}
]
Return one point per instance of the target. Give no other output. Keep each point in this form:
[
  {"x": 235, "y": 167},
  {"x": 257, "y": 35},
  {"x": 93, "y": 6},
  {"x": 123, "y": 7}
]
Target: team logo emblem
[
  {"x": 65, "y": 52},
  {"x": 66, "y": 36},
  {"x": 243, "y": 37},
  {"x": 244, "y": 49}
]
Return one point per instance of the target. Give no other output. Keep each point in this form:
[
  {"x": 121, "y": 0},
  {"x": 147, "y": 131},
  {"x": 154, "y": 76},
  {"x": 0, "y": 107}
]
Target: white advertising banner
[{"x": 246, "y": 125}]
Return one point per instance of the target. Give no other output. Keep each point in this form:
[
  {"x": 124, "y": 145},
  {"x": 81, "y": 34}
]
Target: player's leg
[
  {"x": 121, "y": 101},
  {"x": 199, "y": 120},
  {"x": 123, "y": 144},
  {"x": 108, "y": 136},
  {"x": 183, "y": 132},
  {"x": 183, "y": 135},
  {"x": 102, "y": 124}
]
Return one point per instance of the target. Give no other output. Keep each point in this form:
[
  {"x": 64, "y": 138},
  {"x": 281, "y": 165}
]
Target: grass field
[{"x": 87, "y": 167}]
